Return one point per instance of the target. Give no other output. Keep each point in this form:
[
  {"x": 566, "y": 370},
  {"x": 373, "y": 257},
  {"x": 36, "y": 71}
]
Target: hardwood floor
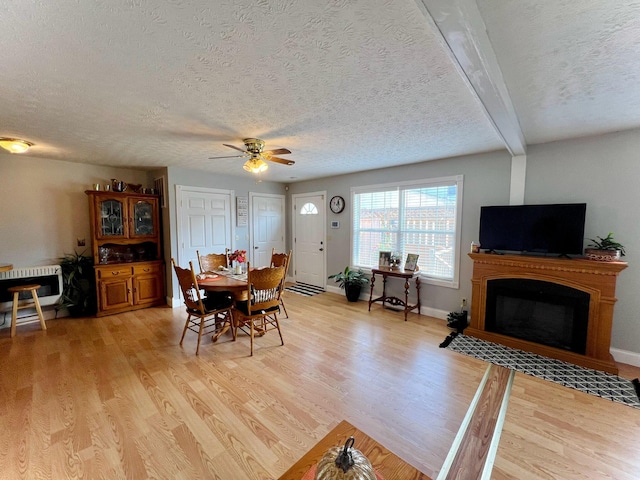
[{"x": 117, "y": 397}]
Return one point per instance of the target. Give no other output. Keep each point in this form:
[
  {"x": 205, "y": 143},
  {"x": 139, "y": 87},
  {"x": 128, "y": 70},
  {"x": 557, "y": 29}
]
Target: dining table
[
  {"x": 224, "y": 281},
  {"x": 5, "y": 267}
]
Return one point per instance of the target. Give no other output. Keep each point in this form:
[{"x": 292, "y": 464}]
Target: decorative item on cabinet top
[{"x": 118, "y": 186}]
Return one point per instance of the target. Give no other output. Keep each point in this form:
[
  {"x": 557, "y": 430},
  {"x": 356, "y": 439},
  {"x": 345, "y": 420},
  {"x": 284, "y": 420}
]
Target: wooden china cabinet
[{"x": 125, "y": 231}]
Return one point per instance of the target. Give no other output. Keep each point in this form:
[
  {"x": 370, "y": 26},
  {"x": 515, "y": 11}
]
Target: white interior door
[
  {"x": 309, "y": 238},
  {"x": 204, "y": 218},
  {"x": 267, "y": 227}
]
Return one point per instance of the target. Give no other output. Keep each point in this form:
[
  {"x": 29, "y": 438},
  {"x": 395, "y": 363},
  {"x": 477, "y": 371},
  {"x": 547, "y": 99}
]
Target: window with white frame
[{"x": 420, "y": 217}]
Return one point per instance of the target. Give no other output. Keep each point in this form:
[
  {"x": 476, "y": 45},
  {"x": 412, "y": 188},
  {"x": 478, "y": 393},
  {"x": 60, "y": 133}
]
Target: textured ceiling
[{"x": 346, "y": 85}]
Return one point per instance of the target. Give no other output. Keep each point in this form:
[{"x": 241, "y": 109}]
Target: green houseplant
[
  {"x": 351, "y": 281},
  {"x": 605, "y": 249},
  {"x": 79, "y": 288}
]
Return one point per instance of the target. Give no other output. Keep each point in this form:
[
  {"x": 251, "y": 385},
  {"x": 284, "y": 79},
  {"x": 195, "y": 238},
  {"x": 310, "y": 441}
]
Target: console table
[{"x": 395, "y": 301}]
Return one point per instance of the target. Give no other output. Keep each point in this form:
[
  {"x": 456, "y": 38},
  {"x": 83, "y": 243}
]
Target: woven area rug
[
  {"x": 304, "y": 289},
  {"x": 590, "y": 381}
]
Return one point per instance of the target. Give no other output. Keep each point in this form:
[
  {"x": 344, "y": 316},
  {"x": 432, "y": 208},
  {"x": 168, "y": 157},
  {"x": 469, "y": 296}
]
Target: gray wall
[
  {"x": 603, "y": 172},
  {"x": 44, "y": 208},
  {"x": 241, "y": 185},
  {"x": 486, "y": 181}
]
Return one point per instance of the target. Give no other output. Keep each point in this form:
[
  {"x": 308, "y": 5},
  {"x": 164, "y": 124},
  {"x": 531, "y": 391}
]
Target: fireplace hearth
[{"x": 558, "y": 307}]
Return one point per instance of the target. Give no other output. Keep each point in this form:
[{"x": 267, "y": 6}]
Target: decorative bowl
[{"x": 602, "y": 255}]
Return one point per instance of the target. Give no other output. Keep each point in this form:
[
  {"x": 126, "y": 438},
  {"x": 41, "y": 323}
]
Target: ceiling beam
[{"x": 462, "y": 31}]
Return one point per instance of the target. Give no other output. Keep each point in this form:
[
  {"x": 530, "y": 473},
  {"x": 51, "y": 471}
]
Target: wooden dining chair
[
  {"x": 203, "y": 317},
  {"x": 259, "y": 314},
  {"x": 281, "y": 260},
  {"x": 213, "y": 261}
]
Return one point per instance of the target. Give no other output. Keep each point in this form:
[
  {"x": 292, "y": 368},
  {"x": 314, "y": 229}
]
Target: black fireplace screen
[{"x": 541, "y": 312}]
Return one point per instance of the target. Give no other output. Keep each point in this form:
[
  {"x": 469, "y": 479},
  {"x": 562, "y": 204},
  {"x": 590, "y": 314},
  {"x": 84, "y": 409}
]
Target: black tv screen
[{"x": 544, "y": 229}]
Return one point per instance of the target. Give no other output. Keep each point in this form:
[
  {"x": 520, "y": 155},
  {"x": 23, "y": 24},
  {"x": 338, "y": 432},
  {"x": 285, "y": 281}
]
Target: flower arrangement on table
[{"x": 239, "y": 256}]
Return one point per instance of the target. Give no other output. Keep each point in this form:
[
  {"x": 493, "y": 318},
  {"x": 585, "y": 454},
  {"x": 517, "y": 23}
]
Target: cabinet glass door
[
  {"x": 143, "y": 218},
  {"x": 111, "y": 218}
]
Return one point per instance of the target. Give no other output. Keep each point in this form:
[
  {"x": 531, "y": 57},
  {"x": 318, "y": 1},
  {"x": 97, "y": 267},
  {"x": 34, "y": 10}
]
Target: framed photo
[
  {"x": 384, "y": 259},
  {"x": 242, "y": 211},
  {"x": 412, "y": 262}
]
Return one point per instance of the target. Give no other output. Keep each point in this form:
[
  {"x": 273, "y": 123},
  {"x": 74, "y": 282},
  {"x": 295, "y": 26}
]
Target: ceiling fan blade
[
  {"x": 234, "y": 147},
  {"x": 284, "y": 161},
  {"x": 278, "y": 151},
  {"x": 231, "y": 156}
]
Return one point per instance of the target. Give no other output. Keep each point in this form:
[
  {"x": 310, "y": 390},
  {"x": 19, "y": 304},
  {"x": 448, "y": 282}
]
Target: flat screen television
[{"x": 536, "y": 229}]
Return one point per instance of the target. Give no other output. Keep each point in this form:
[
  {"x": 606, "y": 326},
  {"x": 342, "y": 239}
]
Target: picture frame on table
[
  {"x": 412, "y": 262},
  {"x": 384, "y": 259}
]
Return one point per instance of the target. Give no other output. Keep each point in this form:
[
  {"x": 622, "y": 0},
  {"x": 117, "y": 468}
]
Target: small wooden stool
[{"x": 14, "y": 313}]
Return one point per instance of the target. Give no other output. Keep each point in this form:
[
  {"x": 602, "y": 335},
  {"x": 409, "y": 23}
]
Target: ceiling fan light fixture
[
  {"x": 255, "y": 165},
  {"x": 15, "y": 145}
]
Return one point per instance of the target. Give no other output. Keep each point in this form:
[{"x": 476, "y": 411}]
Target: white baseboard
[
  {"x": 340, "y": 291},
  {"x": 625, "y": 356},
  {"x": 434, "y": 312},
  {"x": 364, "y": 295}
]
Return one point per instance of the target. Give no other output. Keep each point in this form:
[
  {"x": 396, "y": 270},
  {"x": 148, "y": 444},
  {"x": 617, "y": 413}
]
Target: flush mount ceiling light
[
  {"x": 255, "y": 165},
  {"x": 15, "y": 145}
]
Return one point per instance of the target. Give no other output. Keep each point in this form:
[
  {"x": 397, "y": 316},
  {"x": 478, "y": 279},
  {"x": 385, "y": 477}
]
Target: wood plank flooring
[{"x": 116, "y": 397}]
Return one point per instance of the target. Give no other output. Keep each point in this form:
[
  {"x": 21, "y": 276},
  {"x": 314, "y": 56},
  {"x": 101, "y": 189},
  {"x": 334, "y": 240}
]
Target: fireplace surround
[{"x": 558, "y": 307}]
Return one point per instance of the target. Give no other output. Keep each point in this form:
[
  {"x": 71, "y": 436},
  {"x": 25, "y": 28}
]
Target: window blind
[{"x": 418, "y": 217}]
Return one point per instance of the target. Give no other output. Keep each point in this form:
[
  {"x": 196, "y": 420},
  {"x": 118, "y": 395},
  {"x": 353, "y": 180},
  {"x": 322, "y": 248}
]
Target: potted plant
[
  {"x": 351, "y": 281},
  {"x": 78, "y": 290},
  {"x": 457, "y": 320},
  {"x": 605, "y": 249}
]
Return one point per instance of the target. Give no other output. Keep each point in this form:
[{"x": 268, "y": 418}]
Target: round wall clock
[{"x": 336, "y": 204}]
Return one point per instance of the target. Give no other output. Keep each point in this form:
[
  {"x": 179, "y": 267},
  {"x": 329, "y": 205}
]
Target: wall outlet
[
  {"x": 81, "y": 242},
  {"x": 464, "y": 302}
]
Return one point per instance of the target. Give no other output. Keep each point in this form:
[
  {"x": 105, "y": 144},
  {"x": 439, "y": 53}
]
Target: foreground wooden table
[{"x": 388, "y": 465}]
